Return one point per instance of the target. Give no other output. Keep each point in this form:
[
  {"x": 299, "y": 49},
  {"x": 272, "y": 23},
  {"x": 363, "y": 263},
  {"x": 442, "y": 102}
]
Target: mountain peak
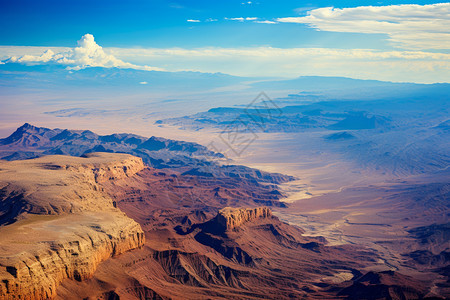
[
  {"x": 26, "y": 134},
  {"x": 28, "y": 127}
]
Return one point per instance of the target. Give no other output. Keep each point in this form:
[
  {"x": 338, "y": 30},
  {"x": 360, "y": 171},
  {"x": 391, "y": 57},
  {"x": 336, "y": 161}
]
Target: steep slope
[{"x": 57, "y": 222}]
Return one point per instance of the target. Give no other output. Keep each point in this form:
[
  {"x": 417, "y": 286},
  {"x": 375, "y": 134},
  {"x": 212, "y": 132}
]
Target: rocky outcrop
[
  {"x": 36, "y": 273},
  {"x": 55, "y": 185},
  {"x": 229, "y": 218},
  {"x": 118, "y": 170},
  {"x": 58, "y": 221}
]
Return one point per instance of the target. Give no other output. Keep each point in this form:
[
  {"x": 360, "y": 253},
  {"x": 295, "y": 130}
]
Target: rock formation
[
  {"x": 57, "y": 222},
  {"x": 229, "y": 218}
]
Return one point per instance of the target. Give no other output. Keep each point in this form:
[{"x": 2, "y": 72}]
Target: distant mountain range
[
  {"x": 29, "y": 141},
  {"x": 367, "y": 130},
  {"x": 57, "y": 77}
]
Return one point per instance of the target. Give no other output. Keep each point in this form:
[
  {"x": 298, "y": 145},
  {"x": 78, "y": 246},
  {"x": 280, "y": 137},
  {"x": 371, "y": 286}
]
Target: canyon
[{"x": 104, "y": 225}]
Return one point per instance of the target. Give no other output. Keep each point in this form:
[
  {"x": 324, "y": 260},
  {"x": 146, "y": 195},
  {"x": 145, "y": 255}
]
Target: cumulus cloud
[
  {"x": 44, "y": 57},
  {"x": 87, "y": 54},
  {"x": 410, "y": 26},
  {"x": 193, "y": 21}
]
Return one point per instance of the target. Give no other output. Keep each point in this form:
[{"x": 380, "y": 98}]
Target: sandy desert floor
[{"x": 347, "y": 204}]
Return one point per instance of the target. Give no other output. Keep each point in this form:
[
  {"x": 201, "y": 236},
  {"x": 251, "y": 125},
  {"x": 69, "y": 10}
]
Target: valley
[{"x": 371, "y": 226}]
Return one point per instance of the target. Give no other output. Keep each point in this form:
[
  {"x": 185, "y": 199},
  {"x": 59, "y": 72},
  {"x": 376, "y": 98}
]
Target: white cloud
[
  {"x": 211, "y": 20},
  {"x": 410, "y": 26},
  {"x": 266, "y": 22},
  {"x": 143, "y": 82},
  {"x": 7, "y": 52},
  {"x": 87, "y": 54},
  {"x": 301, "y": 10},
  {"x": 193, "y": 21},
  {"x": 44, "y": 57},
  {"x": 240, "y": 19}
]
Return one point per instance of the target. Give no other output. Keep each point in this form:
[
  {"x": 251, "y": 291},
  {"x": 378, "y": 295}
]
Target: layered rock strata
[
  {"x": 57, "y": 222},
  {"x": 230, "y": 218}
]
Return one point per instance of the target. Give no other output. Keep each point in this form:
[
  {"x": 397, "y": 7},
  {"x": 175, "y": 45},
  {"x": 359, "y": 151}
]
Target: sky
[{"x": 393, "y": 41}]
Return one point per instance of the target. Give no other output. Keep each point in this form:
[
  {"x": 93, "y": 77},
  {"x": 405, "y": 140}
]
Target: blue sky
[
  {"x": 268, "y": 38},
  {"x": 163, "y": 23}
]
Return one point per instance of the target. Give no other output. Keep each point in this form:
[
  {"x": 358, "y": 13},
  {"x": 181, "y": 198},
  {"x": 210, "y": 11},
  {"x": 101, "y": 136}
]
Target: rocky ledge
[
  {"x": 230, "y": 218},
  {"x": 56, "y": 222}
]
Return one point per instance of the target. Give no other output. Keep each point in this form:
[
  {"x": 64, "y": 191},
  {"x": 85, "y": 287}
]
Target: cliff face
[
  {"x": 54, "y": 185},
  {"x": 59, "y": 223},
  {"x": 126, "y": 167},
  {"x": 36, "y": 273},
  {"x": 230, "y": 218}
]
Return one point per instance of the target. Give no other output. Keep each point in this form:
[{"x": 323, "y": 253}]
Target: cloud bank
[
  {"x": 408, "y": 26},
  {"x": 414, "y": 66},
  {"x": 87, "y": 54}
]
